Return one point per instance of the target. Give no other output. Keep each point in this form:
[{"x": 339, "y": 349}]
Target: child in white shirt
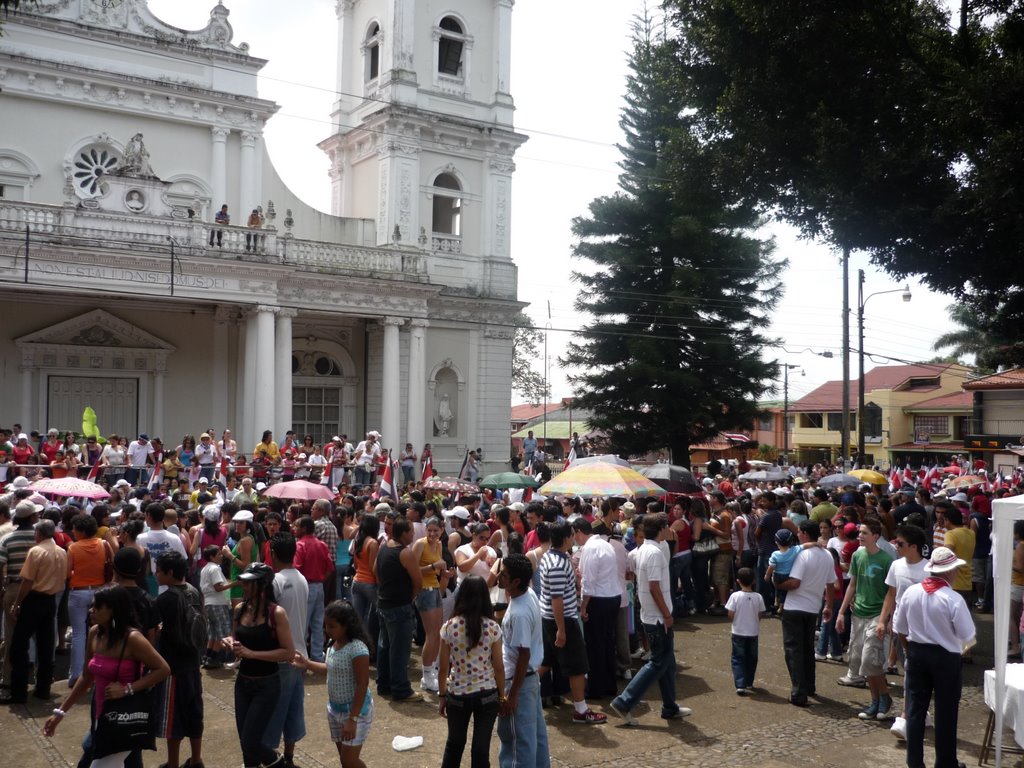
[
  {"x": 217, "y": 600},
  {"x": 745, "y": 608}
]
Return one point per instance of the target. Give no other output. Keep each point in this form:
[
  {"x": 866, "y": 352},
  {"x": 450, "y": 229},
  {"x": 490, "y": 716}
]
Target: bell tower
[{"x": 423, "y": 140}]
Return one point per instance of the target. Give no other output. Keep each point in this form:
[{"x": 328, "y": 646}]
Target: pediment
[{"x": 97, "y": 328}]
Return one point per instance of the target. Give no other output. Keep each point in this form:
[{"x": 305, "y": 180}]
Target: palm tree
[{"x": 981, "y": 335}]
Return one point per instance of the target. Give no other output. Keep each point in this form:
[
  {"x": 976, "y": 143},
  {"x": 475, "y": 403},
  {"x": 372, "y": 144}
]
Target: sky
[{"x": 568, "y": 90}]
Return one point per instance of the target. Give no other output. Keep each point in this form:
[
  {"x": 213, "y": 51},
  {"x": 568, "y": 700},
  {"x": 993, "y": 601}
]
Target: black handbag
[{"x": 127, "y": 724}]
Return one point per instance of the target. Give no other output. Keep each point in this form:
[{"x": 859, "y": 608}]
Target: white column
[
  {"x": 157, "y": 427},
  {"x": 247, "y": 429},
  {"x": 28, "y": 417},
  {"x": 248, "y": 194},
  {"x": 390, "y": 407},
  {"x": 283, "y": 372},
  {"x": 219, "y": 374},
  {"x": 503, "y": 51},
  {"x": 265, "y": 401},
  {"x": 416, "y": 431},
  {"x": 219, "y": 169}
]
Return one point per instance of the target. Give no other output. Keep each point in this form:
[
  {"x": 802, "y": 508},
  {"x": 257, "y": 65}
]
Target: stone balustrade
[{"x": 71, "y": 226}]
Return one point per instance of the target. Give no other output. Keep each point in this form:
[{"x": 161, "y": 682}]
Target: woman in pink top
[{"x": 115, "y": 656}]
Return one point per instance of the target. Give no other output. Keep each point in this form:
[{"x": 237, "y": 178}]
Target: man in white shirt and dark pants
[
  {"x": 601, "y": 592},
  {"x": 292, "y": 593},
  {"x": 653, "y": 589},
  {"x": 934, "y": 624},
  {"x": 812, "y": 576}
]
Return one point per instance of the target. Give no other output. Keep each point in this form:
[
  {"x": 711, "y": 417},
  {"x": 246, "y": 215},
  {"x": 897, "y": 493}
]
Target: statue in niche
[
  {"x": 135, "y": 161},
  {"x": 446, "y": 403},
  {"x": 444, "y": 414}
]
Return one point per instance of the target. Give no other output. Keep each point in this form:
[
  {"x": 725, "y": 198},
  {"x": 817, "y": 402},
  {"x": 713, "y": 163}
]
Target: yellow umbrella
[
  {"x": 601, "y": 479},
  {"x": 870, "y": 476}
]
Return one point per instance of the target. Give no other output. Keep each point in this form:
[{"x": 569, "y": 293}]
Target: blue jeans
[
  {"x": 524, "y": 734},
  {"x": 364, "y": 600},
  {"x": 765, "y": 586},
  {"x": 394, "y": 646},
  {"x": 207, "y": 471},
  {"x": 828, "y": 639},
  {"x": 408, "y": 473},
  {"x": 289, "y": 718},
  {"x": 680, "y": 567},
  {"x": 341, "y": 591},
  {"x": 315, "y": 620},
  {"x": 79, "y": 601},
  {"x": 744, "y": 660},
  {"x": 661, "y": 668}
]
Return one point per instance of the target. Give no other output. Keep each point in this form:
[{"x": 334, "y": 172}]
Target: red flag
[
  {"x": 894, "y": 479},
  {"x": 428, "y": 469},
  {"x": 95, "y": 471},
  {"x": 158, "y": 471},
  {"x": 387, "y": 484},
  {"x": 570, "y": 458},
  {"x": 909, "y": 476}
]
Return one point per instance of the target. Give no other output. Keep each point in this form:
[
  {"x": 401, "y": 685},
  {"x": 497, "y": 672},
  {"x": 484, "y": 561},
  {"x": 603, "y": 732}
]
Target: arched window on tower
[
  {"x": 449, "y": 47},
  {"x": 447, "y": 205},
  {"x": 371, "y": 53}
]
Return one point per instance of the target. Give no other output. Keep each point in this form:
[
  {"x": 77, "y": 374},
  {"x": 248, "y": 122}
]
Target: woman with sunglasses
[{"x": 116, "y": 654}]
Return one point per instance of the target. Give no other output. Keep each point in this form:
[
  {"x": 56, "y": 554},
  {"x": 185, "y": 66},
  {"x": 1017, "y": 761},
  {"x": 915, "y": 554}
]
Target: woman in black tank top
[{"x": 262, "y": 638}]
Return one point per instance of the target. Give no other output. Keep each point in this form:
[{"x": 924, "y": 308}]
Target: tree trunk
[{"x": 680, "y": 449}]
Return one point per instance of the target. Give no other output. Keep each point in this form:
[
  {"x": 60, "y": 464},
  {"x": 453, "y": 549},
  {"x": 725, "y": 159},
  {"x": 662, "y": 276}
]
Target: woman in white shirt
[
  {"x": 113, "y": 459},
  {"x": 476, "y": 558}
]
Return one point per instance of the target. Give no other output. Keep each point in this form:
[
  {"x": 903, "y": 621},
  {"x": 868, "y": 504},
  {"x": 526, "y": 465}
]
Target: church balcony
[
  {"x": 445, "y": 243},
  {"x": 56, "y": 230}
]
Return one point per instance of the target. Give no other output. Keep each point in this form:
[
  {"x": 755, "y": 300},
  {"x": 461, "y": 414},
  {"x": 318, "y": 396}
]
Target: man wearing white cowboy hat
[{"x": 935, "y": 627}]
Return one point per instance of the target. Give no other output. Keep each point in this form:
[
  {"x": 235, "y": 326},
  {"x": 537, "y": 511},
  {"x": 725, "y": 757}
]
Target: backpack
[{"x": 193, "y": 632}]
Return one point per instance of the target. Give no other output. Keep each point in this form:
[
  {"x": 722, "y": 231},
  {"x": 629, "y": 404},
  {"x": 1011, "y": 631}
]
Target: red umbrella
[
  {"x": 299, "y": 490},
  {"x": 449, "y": 485}
]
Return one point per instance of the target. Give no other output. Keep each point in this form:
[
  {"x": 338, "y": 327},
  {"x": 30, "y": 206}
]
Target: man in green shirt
[
  {"x": 822, "y": 509},
  {"x": 866, "y": 591}
]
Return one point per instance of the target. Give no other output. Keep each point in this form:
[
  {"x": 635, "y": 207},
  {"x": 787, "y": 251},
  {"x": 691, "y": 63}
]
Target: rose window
[{"x": 92, "y": 164}]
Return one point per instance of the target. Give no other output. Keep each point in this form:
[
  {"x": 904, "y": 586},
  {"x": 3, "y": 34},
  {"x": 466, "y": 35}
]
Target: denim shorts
[
  {"x": 428, "y": 599},
  {"x": 336, "y": 720}
]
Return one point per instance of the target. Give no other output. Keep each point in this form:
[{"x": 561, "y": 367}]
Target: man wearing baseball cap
[{"x": 935, "y": 627}]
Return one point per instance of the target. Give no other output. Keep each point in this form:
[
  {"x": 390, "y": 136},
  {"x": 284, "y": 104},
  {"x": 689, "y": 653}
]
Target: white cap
[
  {"x": 122, "y": 483},
  {"x": 243, "y": 516},
  {"x": 204, "y": 480},
  {"x": 460, "y": 512},
  {"x": 19, "y": 482},
  {"x": 261, "y": 486}
]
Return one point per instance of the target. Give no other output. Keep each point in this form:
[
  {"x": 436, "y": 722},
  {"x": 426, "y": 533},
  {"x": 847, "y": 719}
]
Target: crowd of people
[{"x": 516, "y": 605}]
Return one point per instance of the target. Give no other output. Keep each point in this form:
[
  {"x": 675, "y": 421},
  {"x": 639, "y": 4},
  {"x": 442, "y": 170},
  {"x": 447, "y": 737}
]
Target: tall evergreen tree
[{"x": 680, "y": 286}]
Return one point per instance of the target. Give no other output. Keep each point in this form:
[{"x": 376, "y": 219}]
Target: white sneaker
[
  {"x": 820, "y": 657},
  {"x": 627, "y": 674},
  {"x": 637, "y": 653},
  {"x": 899, "y": 729}
]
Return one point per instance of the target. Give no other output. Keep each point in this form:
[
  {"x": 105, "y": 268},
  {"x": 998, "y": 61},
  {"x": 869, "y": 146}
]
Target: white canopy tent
[{"x": 1005, "y": 512}]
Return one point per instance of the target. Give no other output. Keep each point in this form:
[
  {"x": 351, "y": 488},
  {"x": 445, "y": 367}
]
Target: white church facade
[{"x": 121, "y": 139}]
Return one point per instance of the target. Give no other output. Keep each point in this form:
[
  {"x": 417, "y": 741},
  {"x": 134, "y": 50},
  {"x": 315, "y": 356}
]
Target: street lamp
[{"x": 861, "y": 301}]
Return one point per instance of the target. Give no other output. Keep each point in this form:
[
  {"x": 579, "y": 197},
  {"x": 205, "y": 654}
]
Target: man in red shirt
[{"x": 313, "y": 561}]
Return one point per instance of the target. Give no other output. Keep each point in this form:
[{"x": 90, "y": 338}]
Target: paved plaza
[{"x": 725, "y": 729}]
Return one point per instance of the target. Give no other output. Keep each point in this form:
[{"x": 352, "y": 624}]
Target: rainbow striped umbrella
[{"x": 601, "y": 479}]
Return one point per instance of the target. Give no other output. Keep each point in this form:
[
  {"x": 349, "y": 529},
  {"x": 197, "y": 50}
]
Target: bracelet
[
  {"x": 128, "y": 689},
  {"x": 58, "y": 712}
]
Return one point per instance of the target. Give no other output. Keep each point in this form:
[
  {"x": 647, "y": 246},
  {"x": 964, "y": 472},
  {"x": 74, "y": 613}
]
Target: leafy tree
[
  {"x": 525, "y": 350},
  {"x": 679, "y": 286},
  {"x": 889, "y": 126}
]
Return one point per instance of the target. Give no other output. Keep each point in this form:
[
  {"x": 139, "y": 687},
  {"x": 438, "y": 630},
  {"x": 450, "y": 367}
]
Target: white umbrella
[{"x": 604, "y": 458}]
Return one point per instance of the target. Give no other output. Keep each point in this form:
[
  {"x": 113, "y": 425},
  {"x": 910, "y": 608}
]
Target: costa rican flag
[
  {"x": 734, "y": 437},
  {"x": 95, "y": 471},
  {"x": 570, "y": 458},
  {"x": 158, "y": 471},
  {"x": 387, "y": 484},
  {"x": 909, "y": 476},
  {"x": 894, "y": 479},
  {"x": 427, "y": 471},
  {"x": 465, "y": 467}
]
